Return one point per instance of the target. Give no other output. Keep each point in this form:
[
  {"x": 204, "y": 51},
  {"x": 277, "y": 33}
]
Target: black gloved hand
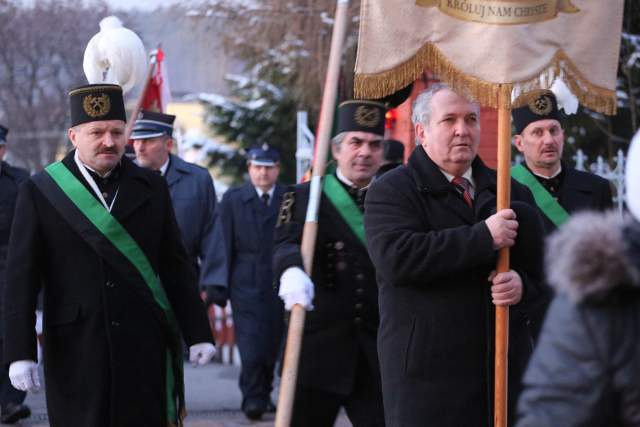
[{"x": 217, "y": 295}]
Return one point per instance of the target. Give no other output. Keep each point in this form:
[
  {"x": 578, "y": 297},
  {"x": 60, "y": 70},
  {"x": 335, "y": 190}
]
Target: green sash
[
  {"x": 345, "y": 205},
  {"x": 545, "y": 201},
  {"x": 129, "y": 248}
]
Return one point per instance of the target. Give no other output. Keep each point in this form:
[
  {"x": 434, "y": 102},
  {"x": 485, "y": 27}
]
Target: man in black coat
[
  {"x": 338, "y": 360},
  {"x": 433, "y": 241},
  {"x": 98, "y": 235},
  {"x": 246, "y": 220},
  {"x": 540, "y": 139},
  {"x": 558, "y": 189},
  {"x": 12, "y": 407}
]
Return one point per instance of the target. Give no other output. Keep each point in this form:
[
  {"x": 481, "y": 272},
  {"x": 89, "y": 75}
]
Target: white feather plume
[
  {"x": 632, "y": 179},
  {"x": 115, "y": 55},
  {"x": 566, "y": 99}
]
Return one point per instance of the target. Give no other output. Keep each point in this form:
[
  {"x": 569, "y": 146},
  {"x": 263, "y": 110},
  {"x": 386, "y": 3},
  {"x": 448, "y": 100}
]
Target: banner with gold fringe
[{"x": 476, "y": 45}]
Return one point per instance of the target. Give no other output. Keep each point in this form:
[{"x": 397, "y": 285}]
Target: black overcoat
[
  {"x": 433, "y": 255},
  {"x": 344, "y": 322},
  {"x": 104, "y": 346},
  {"x": 578, "y": 191},
  {"x": 10, "y": 178}
]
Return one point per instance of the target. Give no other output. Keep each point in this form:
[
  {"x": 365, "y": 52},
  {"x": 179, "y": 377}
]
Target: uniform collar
[
  {"x": 165, "y": 166},
  {"x": 270, "y": 192},
  {"x": 346, "y": 181}
]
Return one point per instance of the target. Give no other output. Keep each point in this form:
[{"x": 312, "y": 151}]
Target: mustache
[{"x": 108, "y": 151}]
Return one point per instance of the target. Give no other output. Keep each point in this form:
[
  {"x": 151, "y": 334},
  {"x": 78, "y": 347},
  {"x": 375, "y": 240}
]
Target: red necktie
[{"x": 463, "y": 186}]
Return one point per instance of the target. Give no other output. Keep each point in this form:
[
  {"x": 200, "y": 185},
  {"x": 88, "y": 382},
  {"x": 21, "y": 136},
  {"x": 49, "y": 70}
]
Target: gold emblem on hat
[
  {"x": 542, "y": 105},
  {"x": 368, "y": 117},
  {"x": 96, "y": 105}
]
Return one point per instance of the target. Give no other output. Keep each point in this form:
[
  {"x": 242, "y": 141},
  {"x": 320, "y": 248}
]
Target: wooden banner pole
[
  {"x": 502, "y": 313},
  {"x": 310, "y": 231}
]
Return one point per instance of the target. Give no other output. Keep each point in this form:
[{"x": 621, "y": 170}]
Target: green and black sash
[
  {"x": 345, "y": 205},
  {"x": 545, "y": 201},
  {"x": 109, "y": 239}
]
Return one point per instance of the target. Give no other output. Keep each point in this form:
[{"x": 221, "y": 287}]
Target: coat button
[
  {"x": 360, "y": 276},
  {"x": 341, "y": 266},
  {"x": 357, "y": 320},
  {"x": 110, "y": 284},
  {"x": 359, "y": 306},
  {"x": 360, "y": 291},
  {"x": 115, "y": 324},
  {"x": 339, "y": 246}
]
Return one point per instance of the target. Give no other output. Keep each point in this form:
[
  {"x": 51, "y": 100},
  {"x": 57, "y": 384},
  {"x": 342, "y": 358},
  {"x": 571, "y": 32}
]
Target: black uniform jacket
[
  {"x": 433, "y": 255},
  {"x": 581, "y": 191},
  {"x": 578, "y": 191},
  {"x": 104, "y": 347},
  {"x": 344, "y": 322},
  {"x": 10, "y": 178}
]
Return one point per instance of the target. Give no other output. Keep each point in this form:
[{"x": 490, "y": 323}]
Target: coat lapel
[
  {"x": 175, "y": 171},
  {"x": 133, "y": 192},
  {"x": 274, "y": 206},
  {"x": 432, "y": 181},
  {"x": 485, "y": 198},
  {"x": 254, "y": 209}
]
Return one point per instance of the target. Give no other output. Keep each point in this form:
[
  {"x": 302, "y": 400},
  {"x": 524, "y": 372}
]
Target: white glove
[
  {"x": 296, "y": 287},
  {"x": 24, "y": 375},
  {"x": 201, "y": 353}
]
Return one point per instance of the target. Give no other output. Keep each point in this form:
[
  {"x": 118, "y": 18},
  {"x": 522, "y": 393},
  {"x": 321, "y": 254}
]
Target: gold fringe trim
[{"x": 379, "y": 85}]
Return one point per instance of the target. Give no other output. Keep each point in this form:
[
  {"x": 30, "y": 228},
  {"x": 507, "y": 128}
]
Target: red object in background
[
  {"x": 390, "y": 118},
  {"x": 157, "y": 96}
]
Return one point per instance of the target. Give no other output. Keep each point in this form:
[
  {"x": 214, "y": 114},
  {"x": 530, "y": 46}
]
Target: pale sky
[{"x": 141, "y": 4}]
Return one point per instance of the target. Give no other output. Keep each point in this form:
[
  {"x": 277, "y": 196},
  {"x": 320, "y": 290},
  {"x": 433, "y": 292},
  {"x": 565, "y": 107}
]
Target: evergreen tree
[
  {"x": 597, "y": 134},
  {"x": 257, "y": 112}
]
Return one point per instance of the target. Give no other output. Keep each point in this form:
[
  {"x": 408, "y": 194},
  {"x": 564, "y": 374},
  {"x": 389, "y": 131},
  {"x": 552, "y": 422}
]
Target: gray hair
[
  {"x": 422, "y": 107},
  {"x": 337, "y": 140}
]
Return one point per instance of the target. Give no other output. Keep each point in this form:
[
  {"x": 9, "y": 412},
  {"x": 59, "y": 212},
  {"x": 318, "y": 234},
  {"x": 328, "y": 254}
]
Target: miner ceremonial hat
[
  {"x": 151, "y": 124},
  {"x": 361, "y": 116},
  {"x": 263, "y": 156},
  {"x": 96, "y": 102},
  {"x": 533, "y": 106},
  {"x": 3, "y": 135}
]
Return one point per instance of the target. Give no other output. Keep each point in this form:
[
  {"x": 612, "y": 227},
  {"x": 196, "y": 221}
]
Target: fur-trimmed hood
[{"x": 593, "y": 254}]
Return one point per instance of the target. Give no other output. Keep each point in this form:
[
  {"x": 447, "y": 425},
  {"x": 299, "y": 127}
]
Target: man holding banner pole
[
  {"x": 338, "y": 360},
  {"x": 433, "y": 236},
  {"x": 98, "y": 235}
]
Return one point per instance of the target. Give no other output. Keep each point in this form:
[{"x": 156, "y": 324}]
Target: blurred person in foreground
[
  {"x": 246, "y": 221},
  {"x": 338, "y": 359},
  {"x": 12, "y": 407},
  {"x": 433, "y": 236},
  {"x": 586, "y": 368},
  {"x": 98, "y": 235}
]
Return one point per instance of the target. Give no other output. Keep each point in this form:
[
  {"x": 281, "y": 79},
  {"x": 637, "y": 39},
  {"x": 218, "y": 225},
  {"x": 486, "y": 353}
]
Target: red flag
[{"x": 157, "y": 96}]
